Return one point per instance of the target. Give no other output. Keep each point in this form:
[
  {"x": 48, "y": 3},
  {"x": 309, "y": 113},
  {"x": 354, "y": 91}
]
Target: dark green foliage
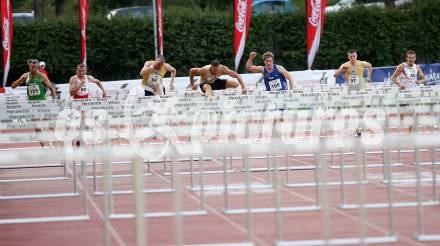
[{"x": 193, "y": 37}]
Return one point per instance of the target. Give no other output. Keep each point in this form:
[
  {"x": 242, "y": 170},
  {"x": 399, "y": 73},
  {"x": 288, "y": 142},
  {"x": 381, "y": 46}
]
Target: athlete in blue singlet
[{"x": 275, "y": 76}]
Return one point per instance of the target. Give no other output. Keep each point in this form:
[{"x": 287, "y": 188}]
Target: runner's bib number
[
  {"x": 154, "y": 79},
  {"x": 34, "y": 90},
  {"x": 353, "y": 80},
  {"x": 275, "y": 85}
]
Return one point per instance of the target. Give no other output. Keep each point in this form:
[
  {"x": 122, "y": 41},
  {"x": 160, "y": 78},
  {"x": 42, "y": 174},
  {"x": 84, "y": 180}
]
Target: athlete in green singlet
[{"x": 37, "y": 83}]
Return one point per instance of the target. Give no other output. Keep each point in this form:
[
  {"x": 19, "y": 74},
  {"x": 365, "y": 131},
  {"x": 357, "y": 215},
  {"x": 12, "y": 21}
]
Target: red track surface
[{"x": 215, "y": 226}]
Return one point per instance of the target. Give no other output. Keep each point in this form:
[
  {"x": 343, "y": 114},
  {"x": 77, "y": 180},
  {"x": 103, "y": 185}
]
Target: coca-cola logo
[
  {"x": 316, "y": 12},
  {"x": 6, "y": 34},
  {"x": 241, "y": 20}
]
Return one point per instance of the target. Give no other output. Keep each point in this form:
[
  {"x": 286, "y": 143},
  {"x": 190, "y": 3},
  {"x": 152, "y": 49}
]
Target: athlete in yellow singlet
[
  {"x": 152, "y": 74},
  {"x": 353, "y": 71},
  {"x": 354, "y": 75}
]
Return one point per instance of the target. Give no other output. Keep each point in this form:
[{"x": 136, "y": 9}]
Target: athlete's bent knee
[{"x": 232, "y": 84}]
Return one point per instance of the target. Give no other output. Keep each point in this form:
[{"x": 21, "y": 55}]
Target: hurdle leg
[
  {"x": 85, "y": 185},
  {"x": 317, "y": 172},
  {"x": 286, "y": 155},
  {"x": 95, "y": 189},
  {"x": 324, "y": 195},
  {"x": 420, "y": 210},
  {"x": 279, "y": 217},
  {"x": 248, "y": 201},
  {"x": 390, "y": 192},
  {"x": 434, "y": 175},
  {"x": 360, "y": 176},
  {"x": 138, "y": 200},
  {"x": 202, "y": 182},
  {"x": 226, "y": 184},
  {"x": 75, "y": 185},
  {"x": 192, "y": 177},
  {"x": 106, "y": 203},
  {"x": 269, "y": 167},
  {"x": 342, "y": 176},
  {"x": 177, "y": 197}
]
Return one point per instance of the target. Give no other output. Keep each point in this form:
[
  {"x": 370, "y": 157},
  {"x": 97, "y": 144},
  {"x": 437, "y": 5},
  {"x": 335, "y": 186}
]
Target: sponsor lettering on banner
[
  {"x": 315, "y": 26},
  {"x": 242, "y": 18},
  {"x": 7, "y": 30},
  {"x": 316, "y": 11},
  {"x": 314, "y": 77}
]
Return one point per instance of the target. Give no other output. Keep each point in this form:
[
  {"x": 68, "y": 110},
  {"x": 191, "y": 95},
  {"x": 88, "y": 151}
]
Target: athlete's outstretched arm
[
  {"x": 369, "y": 68},
  {"x": 172, "y": 70},
  {"x": 48, "y": 84},
  {"x": 20, "y": 80},
  {"x": 233, "y": 74},
  {"x": 99, "y": 84},
  {"x": 146, "y": 69},
  {"x": 251, "y": 68},
  {"x": 396, "y": 73},
  {"x": 422, "y": 76},
  {"x": 339, "y": 71},
  {"x": 194, "y": 72},
  {"x": 286, "y": 74}
]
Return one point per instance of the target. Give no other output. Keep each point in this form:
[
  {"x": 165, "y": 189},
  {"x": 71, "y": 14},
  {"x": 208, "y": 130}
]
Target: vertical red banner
[
  {"x": 159, "y": 27},
  {"x": 242, "y": 19},
  {"x": 7, "y": 24},
  {"x": 315, "y": 27},
  {"x": 83, "y": 17}
]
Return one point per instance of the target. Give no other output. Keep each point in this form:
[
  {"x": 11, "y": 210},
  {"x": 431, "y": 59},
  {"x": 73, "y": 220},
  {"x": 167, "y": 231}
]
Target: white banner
[{"x": 314, "y": 77}]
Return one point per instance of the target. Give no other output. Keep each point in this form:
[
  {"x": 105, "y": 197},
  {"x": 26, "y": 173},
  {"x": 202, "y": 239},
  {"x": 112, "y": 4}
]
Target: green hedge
[{"x": 117, "y": 49}]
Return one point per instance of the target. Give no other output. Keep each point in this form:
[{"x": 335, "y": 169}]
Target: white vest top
[
  {"x": 84, "y": 90},
  {"x": 409, "y": 76}
]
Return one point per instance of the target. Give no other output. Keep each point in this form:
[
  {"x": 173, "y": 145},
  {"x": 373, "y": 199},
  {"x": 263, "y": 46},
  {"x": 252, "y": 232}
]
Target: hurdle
[
  {"x": 115, "y": 215},
  {"x": 272, "y": 157},
  {"x": 326, "y": 238},
  {"x": 82, "y": 216},
  {"x": 388, "y": 180},
  {"x": 420, "y": 234},
  {"x": 234, "y": 157}
]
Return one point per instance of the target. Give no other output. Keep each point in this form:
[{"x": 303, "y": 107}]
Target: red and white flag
[
  {"x": 159, "y": 27},
  {"x": 242, "y": 19},
  {"x": 6, "y": 37},
  {"x": 315, "y": 27},
  {"x": 83, "y": 16}
]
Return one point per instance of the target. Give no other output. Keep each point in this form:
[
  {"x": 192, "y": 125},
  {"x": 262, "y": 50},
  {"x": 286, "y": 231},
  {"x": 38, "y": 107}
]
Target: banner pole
[
  {"x": 83, "y": 19},
  {"x": 7, "y": 25},
  {"x": 155, "y": 28},
  {"x": 307, "y": 40}
]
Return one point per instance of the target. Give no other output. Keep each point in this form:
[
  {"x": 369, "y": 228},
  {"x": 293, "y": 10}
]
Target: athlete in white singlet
[
  {"x": 79, "y": 84},
  {"x": 406, "y": 73}
]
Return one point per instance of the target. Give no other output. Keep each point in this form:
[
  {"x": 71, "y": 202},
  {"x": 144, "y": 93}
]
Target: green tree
[
  {"x": 59, "y": 7},
  {"x": 389, "y": 3},
  {"x": 38, "y": 8}
]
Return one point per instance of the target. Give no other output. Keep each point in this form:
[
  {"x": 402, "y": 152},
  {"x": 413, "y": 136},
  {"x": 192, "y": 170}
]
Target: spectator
[{"x": 43, "y": 68}]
